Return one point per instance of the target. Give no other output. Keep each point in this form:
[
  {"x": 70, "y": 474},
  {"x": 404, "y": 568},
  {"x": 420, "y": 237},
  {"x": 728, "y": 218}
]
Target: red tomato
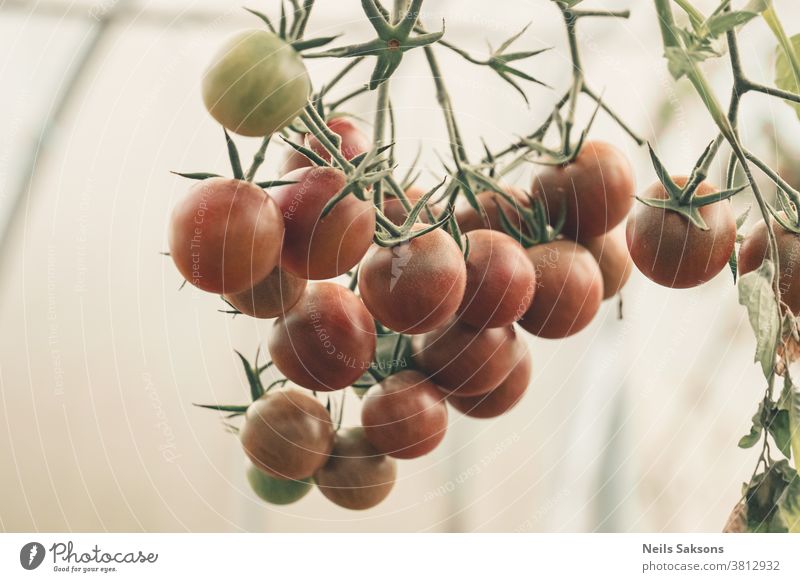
[
  {"x": 225, "y": 235},
  {"x": 405, "y": 416},
  {"x": 611, "y": 254},
  {"x": 755, "y": 249},
  {"x": 466, "y": 361},
  {"x": 287, "y": 434},
  {"x": 416, "y": 286},
  {"x": 569, "y": 292},
  {"x": 326, "y": 248},
  {"x": 670, "y": 250},
  {"x": 270, "y": 298},
  {"x": 597, "y": 188},
  {"x": 326, "y": 341},
  {"x": 500, "y": 280},
  {"x": 469, "y": 219},
  {"x": 500, "y": 400}
]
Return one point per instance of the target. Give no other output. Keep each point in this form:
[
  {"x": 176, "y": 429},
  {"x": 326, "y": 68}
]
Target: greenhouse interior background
[{"x": 631, "y": 425}]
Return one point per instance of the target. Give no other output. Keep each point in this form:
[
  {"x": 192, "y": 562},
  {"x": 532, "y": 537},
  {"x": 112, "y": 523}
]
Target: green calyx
[{"x": 389, "y": 234}]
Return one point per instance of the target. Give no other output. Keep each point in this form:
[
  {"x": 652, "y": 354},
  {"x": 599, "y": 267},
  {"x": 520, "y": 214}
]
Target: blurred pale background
[{"x": 630, "y": 426}]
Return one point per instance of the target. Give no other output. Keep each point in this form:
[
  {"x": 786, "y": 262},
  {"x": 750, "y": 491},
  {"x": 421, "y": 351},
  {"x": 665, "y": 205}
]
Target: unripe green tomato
[
  {"x": 276, "y": 491},
  {"x": 256, "y": 84}
]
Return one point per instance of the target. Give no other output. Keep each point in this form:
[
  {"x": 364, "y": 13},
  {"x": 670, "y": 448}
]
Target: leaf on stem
[
  {"x": 756, "y": 294},
  {"x": 785, "y": 76}
]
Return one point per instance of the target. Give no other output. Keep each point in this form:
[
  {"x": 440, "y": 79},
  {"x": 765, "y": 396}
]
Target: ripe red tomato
[
  {"x": 272, "y": 297},
  {"x": 466, "y": 361},
  {"x": 357, "y": 475},
  {"x": 405, "y": 416},
  {"x": 288, "y": 434},
  {"x": 256, "y": 85},
  {"x": 326, "y": 341},
  {"x": 326, "y": 248},
  {"x": 755, "y": 249},
  {"x": 670, "y": 250},
  {"x": 274, "y": 490},
  {"x": 569, "y": 292},
  {"x": 500, "y": 280},
  {"x": 354, "y": 141},
  {"x": 611, "y": 254},
  {"x": 225, "y": 235},
  {"x": 416, "y": 286},
  {"x": 597, "y": 189},
  {"x": 469, "y": 219},
  {"x": 500, "y": 400}
]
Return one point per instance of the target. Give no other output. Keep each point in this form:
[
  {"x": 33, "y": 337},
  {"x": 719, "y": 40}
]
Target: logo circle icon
[{"x": 31, "y": 555}]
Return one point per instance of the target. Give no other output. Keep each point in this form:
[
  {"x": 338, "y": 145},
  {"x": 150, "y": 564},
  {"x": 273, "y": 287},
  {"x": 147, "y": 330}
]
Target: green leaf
[
  {"x": 755, "y": 293},
  {"x": 754, "y": 435},
  {"x": 781, "y": 433},
  {"x": 722, "y": 23},
  {"x": 789, "y": 505},
  {"x": 763, "y": 495},
  {"x": 790, "y": 401},
  {"x": 784, "y": 73}
]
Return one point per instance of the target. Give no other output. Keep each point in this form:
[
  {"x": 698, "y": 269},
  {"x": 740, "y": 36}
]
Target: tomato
[
  {"x": 755, "y": 249},
  {"x": 500, "y": 280},
  {"x": 354, "y": 142},
  {"x": 276, "y": 491},
  {"x": 356, "y": 476},
  {"x": 569, "y": 290},
  {"x": 405, "y": 416},
  {"x": 416, "y": 286},
  {"x": 273, "y": 296},
  {"x": 315, "y": 248},
  {"x": 326, "y": 341},
  {"x": 611, "y": 254},
  {"x": 500, "y": 400},
  {"x": 466, "y": 361},
  {"x": 225, "y": 235},
  {"x": 287, "y": 434},
  {"x": 256, "y": 85},
  {"x": 597, "y": 189},
  {"x": 673, "y": 252},
  {"x": 469, "y": 219},
  {"x": 396, "y": 212}
]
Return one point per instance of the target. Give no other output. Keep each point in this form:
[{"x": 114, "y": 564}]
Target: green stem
[
  {"x": 443, "y": 97},
  {"x": 577, "y": 76},
  {"x": 258, "y": 159},
  {"x": 694, "y": 14},
  {"x": 319, "y": 130}
]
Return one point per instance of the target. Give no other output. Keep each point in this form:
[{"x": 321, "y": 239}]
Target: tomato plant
[
  {"x": 274, "y": 490},
  {"x": 354, "y": 142},
  {"x": 225, "y": 235},
  {"x": 271, "y": 297},
  {"x": 755, "y": 249},
  {"x": 256, "y": 85},
  {"x": 405, "y": 416},
  {"x": 357, "y": 475},
  {"x": 469, "y": 218},
  {"x": 287, "y": 434}
]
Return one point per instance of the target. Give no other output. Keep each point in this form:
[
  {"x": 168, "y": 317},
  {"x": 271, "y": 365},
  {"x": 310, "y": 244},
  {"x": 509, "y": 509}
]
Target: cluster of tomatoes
[{"x": 456, "y": 297}]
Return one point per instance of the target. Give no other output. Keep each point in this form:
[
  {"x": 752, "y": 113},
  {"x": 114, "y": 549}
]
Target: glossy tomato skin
[
  {"x": 287, "y": 434},
  {"x": 671, "y": 251},
  {"x": 469, "y": 219},
  {"x": 465, "y": 361},
  {"x": 357, "y": 475},
  {"x": 326, "y": 341},
  {"x": 755, "y": 249},
  {"x": 611, "y": 253},
  {"x": 225, "y": 235},
  {"x": 501, "y": 280},
  {"x": 503, "y": 398},
  {"x": 256, "y": 85},
  {"x": 322, "y": 249},
  {"x": 273, "y": 490},
  {"x": 272, "y": 297},
  {"x": 569, "y": 290},
  {"x": 354, "y": 142},
  {"x": 597, "y": 188},
  {"x": 416, "y": 286},
  {"x": 405, "y": 416}
]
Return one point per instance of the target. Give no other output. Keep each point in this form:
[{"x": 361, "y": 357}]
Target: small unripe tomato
[
  {"x": 500, "y": 400},
  {"x": 670, "y": 250},
  {"x": 256, "y": 84},
  {"x": 465, "y": 361},
  {"x": 501, "y": 280},
  {"x": 415, "y": 286},
  {"x": 569, "y": 290},
  {"x": 597, "y": 189},
  {"x": 326, "y": 341},
  {"x": 611, "y": 253},
  {"x": 405, "y": 416},
  {"x": 357, "y": 475},
  {"x": 225, "y": 235},
  {"x": 287, "y": 434},
  {"x": 322, "y": 248},
  {"x": 272, "y": 297},
  {"x": 273, "y": 490}
]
